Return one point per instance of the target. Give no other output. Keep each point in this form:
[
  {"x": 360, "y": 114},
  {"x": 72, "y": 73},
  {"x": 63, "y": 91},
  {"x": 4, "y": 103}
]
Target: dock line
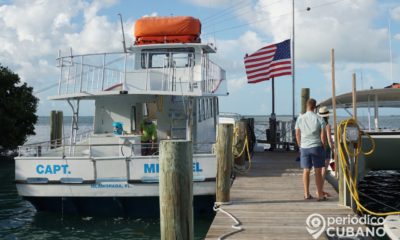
[{"x": 237, "y": 226}]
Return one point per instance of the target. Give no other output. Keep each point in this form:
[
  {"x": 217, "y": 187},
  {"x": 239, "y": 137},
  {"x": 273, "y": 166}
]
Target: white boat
[
  {"x": 175, "y": 84},
  {"x": 386, "y": 140}
]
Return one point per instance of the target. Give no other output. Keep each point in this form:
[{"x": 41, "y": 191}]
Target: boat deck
[{"x": 269, "y": 203}]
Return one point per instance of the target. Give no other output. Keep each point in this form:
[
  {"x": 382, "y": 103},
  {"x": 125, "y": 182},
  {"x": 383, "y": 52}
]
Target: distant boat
[{"x": 384, "y": 157}]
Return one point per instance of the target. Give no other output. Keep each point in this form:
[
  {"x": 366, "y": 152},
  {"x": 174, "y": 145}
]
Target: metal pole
[
  {"x": 293, "y": 62},
  {"x": 124, "y": 82},
  {"x": 273, "y": 96},
  {"x": 103, "y": 72},
  {"x": 376, "y": 113},
  {"x": 123, "y": 33},
  {"x": 354, "y": 95},
  {"x": 60, "y": 62},
  {"x": 390, "y": 49},
  {"x": 80, "y": 89}
]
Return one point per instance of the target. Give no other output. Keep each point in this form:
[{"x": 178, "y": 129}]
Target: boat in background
[
  {"x": 174, "y": 83},
  {"x": 386, "y": 140}
]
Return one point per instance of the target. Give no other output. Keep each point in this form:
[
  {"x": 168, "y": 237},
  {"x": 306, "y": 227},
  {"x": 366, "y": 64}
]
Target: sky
[{"x": 360, "y": 31}]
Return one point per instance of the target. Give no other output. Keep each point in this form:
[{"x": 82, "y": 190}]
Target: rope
[
  {"x": 237, "y": 226},
  {"x": 344, "y": 153}
]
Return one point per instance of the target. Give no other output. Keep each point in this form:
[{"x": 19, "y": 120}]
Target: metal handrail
[
  {"x": 37, "y": 148},
  {"x": 88, "y": 73}
]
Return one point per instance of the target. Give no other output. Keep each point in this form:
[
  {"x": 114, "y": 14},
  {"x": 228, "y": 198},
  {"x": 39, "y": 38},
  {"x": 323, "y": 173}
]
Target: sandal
[
  {"x": 309, "y": 197},
  {"x": 326, "y": 194},
  {"x": 322, "y": 199}
]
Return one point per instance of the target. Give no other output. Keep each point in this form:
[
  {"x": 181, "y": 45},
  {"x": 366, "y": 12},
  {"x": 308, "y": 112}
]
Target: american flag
[{"x": 270, "y": 61}]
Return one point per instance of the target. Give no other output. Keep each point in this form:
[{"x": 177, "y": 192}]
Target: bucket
[{"x": 117, "y": 128}]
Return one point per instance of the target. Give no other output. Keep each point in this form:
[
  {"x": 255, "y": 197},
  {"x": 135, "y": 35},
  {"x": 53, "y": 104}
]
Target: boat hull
[{"x": 115, "y": 206}]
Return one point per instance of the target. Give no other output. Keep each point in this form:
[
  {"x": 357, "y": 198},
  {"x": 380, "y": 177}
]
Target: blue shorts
[{"x": 310, "y": 157}]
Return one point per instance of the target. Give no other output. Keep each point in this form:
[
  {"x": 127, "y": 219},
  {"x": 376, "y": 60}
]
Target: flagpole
[
  {"x": 273, "y": 96},
  {"x": 293, "y": 66},
  {"x": 272, "y": 119}
]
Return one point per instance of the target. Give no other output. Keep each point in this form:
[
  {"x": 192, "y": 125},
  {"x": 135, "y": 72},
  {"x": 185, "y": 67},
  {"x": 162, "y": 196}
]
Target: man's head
[
  {"x": 147, "y": 120},
  {"x": 311, "y": 104}
]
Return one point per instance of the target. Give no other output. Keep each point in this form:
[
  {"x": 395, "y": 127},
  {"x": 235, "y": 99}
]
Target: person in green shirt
[{"x": 149, "y": 136}]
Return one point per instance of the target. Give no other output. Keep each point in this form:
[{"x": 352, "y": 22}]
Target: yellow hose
[
  {"x": 245, "y": 147},
  {"x": 352, "y": 182}
]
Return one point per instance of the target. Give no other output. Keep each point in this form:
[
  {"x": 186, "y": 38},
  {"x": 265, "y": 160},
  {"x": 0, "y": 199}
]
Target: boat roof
[
  {"x": 387, "y": 97},
  {"x": 207, "y": 47}
]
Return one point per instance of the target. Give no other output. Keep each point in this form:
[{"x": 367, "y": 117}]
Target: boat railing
[
  {"x": 214, "y": 77},
  {"x": 40, "y": 148},
  {"x": 102, "y": 72},
  {"x": 100, "y": 150}
]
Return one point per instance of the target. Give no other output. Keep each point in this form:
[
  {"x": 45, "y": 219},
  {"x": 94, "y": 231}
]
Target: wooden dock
[{"x": 269, "y": 203}]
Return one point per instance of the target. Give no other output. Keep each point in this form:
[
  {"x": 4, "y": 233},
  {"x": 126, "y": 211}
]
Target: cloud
[
  {"x": 342, "y": 25},
  {"x": 211, "y": 3},
  {"x": 395, "y": 13},
  {"x": 231, "y": 52},
  {"x": 33, "y": 31}
]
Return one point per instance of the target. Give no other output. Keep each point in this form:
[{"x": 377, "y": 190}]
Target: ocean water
[{"x": 20, "y": 220}]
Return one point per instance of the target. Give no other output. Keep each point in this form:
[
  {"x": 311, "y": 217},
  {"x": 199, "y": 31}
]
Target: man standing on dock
[{"x": 310, "y": 136}]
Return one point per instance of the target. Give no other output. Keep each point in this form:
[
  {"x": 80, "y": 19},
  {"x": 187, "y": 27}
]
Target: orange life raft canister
[{"x": 152, "y": 30}]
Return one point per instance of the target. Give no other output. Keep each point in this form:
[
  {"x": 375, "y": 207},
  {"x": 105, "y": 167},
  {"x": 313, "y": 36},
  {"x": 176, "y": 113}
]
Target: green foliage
[{"x": 17, "y": 110}]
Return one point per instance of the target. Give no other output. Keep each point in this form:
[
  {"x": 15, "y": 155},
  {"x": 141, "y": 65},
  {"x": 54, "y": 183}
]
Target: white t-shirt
[{"x": 310, "y": 125}]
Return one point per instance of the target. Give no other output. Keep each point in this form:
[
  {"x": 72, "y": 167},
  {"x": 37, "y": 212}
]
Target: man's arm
[{"x": 298, "y": 136}]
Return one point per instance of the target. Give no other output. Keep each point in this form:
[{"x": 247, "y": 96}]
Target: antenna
[{"x": 123, "y": 33}]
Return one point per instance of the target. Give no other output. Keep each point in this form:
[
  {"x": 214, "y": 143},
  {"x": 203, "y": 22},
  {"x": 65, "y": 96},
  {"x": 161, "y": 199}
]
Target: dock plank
[{"x": 269, "y": 202}]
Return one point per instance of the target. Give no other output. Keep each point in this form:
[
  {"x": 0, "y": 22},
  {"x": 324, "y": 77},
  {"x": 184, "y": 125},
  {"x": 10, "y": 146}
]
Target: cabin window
[
  {"x": 216, "y": 106},
  {"x": 198, "y": 111},
  {"x": 182, "y": 59},
  {"x": 211, "y": 108},
  {"x": 167, "y": 57},
  {"x": 204, "y": 109},
  {"x": 158, "y": 60},
  {"x": 201, "y": 109},
  {"x": 133, "y": 119}
]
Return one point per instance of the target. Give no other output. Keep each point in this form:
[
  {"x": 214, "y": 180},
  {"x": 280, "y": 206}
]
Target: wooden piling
[
  {"x": 60, "y": 121},
  {"x": 305, "y": 95},
  {"x": 349, "y": 199},
  {"x": 224, "y": 162},
  {"x": 176, "y": 189},
  {"x": 338, "y": 167},
  {"x": 56, "y": 123}
]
